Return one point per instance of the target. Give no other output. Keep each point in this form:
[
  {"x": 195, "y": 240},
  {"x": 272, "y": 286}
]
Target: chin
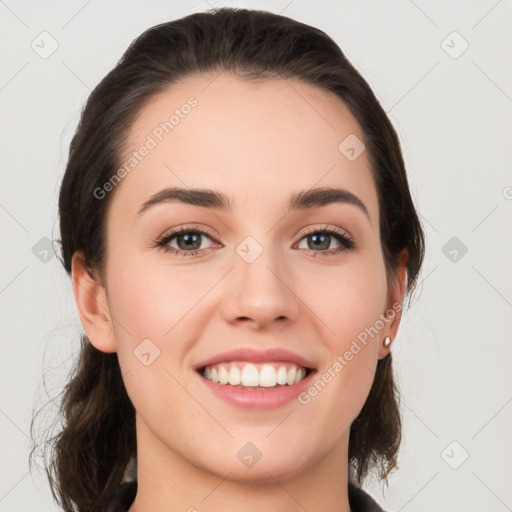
[{"x": 248, "y": 464}]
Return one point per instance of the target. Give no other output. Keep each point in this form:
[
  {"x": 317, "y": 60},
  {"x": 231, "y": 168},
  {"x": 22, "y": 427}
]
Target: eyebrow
[{"x": 303, "y": 200}]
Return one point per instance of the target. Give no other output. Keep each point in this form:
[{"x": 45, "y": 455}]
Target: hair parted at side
[{"x": 87, "y": 460}]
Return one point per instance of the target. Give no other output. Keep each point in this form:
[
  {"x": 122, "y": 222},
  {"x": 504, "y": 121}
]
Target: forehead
[{"x": 253, "y": 140}]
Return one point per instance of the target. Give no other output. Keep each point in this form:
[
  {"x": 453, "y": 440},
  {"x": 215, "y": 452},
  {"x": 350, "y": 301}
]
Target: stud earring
[{"x": 387, "y": 342}]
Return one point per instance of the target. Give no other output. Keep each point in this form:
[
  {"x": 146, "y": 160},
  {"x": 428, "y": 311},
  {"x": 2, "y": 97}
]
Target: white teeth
[
  {"x": 250, "y": 376},
  {"x": 282, "y": 375},
  {"x": 291, "y": 376},
  {"x": 235, "y": 377},
  {"x": 268, "y": 376},
  {"x": 223, "y": 375}
]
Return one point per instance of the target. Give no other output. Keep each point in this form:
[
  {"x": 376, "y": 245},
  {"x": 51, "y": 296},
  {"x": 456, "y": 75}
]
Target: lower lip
[{"x": 255, "y": 398}]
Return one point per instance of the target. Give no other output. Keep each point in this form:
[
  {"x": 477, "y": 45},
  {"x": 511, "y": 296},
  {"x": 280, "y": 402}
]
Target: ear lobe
[
  {"x": 396, "y": 297},
  {"x": 92, "y": 304}
]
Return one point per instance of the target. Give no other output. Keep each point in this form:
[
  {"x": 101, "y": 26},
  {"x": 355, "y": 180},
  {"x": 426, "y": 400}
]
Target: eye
[
  {"x": 321, "y": 239},
  {"x": 188, "y": 240}
]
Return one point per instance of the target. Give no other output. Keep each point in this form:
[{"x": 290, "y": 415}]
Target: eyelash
[{"x": 346, "y": 242}]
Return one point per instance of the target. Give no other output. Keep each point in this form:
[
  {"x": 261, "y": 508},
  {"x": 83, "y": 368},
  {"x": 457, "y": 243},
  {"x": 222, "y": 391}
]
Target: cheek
[
  {"x": 351, "y": 299},
  {"x": 158, "y": 312},
  {"x": 154, "y": 308},
  {"x": 350, "y": 309},
  {"x": 155, "y": 301}
]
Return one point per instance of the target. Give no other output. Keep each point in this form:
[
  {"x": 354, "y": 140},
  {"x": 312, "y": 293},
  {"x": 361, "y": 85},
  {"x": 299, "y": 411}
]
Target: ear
[
  {"x": 91, "y": 300},
  {"x": 395, "y": 300}
]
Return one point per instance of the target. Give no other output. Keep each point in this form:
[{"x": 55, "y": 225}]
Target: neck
[{"x": 168, "y": 482}]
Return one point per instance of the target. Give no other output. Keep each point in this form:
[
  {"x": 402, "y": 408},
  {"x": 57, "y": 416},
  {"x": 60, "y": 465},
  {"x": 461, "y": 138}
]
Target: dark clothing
[{"x": 358, "y": 499}]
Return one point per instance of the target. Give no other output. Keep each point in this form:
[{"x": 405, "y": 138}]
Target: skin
[{"x": 257, "y": 142}]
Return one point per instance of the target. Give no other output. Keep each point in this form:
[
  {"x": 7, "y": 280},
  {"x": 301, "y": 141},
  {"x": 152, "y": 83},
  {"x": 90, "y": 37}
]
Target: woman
[{"x": 236, "y": 218}]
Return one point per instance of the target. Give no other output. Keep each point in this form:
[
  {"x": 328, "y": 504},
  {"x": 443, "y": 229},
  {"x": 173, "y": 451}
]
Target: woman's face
[{"x": 264, "y": 276}]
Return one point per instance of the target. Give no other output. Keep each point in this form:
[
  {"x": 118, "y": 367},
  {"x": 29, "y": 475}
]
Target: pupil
[
  {"x": 317, "y": 245},
  {"x": 190, "y": 239}
]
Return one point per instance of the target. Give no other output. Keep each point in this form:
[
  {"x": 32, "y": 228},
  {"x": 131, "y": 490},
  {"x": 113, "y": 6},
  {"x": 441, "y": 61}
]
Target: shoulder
[
  {"x": 124, "y": 497},
  {"x": 360, "y": 501}
]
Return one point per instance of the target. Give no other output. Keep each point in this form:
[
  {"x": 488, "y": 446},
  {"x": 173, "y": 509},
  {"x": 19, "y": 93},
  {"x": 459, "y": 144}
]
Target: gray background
[{"x": 452, "y": 113}]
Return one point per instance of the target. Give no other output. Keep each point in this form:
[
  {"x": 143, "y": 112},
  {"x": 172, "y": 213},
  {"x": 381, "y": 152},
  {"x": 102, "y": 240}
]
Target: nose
[{"x": 261, "y": 292}]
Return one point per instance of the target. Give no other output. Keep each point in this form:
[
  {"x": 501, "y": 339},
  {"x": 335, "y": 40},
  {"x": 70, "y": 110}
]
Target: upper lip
[{"x": 249, "y": 354}]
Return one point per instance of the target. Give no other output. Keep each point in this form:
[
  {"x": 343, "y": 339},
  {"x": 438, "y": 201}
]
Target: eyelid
[
  {"x": 315, "y": 229},
  {"x": 187, "y": 227},
  {"x": 308, "y": 230},
  {"x": 344, "y": 239}
]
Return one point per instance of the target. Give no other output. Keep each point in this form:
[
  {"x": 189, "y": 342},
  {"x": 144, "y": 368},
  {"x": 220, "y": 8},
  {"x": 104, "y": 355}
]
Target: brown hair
[{"x": 90, "y": 455}]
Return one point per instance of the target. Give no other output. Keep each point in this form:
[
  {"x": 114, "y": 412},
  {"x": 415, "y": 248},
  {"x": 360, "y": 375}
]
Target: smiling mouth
[{"x": 255, "y": 376}]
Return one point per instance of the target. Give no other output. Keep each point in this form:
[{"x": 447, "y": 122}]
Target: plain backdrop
[{"x": 442, "y": 72}]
